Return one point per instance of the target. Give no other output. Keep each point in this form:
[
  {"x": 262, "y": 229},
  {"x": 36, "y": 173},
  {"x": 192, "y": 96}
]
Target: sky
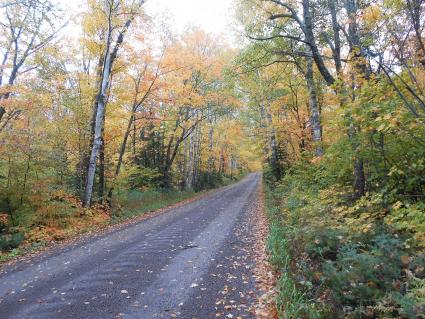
[{"x": 211, "y": 15}]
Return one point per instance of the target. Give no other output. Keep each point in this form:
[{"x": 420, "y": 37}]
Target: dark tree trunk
[
  {"x": 2, "y": 112},
  {"x": 311, "y": 42},
  {"x": 121, "y": 155},
  {"x": 359, "y": 178},
  {"x": 361, "y": 67},
  {"x": 336, "y": 50}
]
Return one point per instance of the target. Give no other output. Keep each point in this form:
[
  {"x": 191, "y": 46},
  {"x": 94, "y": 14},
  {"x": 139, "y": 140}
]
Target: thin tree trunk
[
  {"x": 134, "y": 136},
  {"x": 311, "y": 41},
  {"x": 190, "y": 162},
  {"x": 360, "y": 66},
  {"x": 211, "y": 157},
  {"x": 197, "y": 157},
  {"x": 24, "y": 184},
  {"x": 185, "y": 163},
  {"x": 336, "y": 52},
  {"x": 274, "y": 158},
  {"x": 121, "y": 155},
  {"x": 2, "y": 112}
]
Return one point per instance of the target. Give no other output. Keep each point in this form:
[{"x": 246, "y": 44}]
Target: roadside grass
[
  {"x": 135, "y": 203},
  {"x": 132, "y": 203},
  {"x": 291, "y": 302}
]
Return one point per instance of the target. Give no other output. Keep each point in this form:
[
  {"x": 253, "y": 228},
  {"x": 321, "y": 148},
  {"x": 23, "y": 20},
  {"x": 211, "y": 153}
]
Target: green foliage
[
  {"x": 134, "y": 202},
  {"x": 293, "y": 303},
  {"x": 361, "y": 275},
  {"x": 208, "y": 180},
  {"x": 341, "y": 258},
  {"x": 326, "y": 243},
  {"x": 143, "y": 178},
  {"x": 8, "y": 242},
  {"x": 278, "y": 245},
  {"x": 409, "y": 218}
]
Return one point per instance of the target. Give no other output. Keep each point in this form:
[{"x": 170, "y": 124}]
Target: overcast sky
[{"x": 211, "y": 15}]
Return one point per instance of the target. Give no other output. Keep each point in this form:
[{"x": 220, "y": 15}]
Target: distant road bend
[{"x": 189, "y": 262}]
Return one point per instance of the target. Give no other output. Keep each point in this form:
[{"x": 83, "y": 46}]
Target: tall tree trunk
[
  {"x": 189, "y": 164},
  {"x": 316, "y": 127},
  {"x": 362, "y": 71},
  {"x": 185, "y": 162},
  {"x": 101, "y": 186},
  {"x": 134, "y": 136},
  {"x": 336, "y": 50},
  {"x": 274, "y": 156},
  {"x": 100, "y": 111},
  {"x": 110, "y": 56},
  {"x": 211, "y": 158},
  {"x": 197, "y": 157},
  {"x": 210, "y": 147},
  {"x": 311, "y": 41},
  {"x": 83, "y": 166},
  {"x": 271, "y": 132}
]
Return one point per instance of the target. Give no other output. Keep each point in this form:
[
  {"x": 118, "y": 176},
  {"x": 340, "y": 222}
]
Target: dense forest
[
  {"x": 123, "y": 115},
  {"x": 337, "y": 88}
]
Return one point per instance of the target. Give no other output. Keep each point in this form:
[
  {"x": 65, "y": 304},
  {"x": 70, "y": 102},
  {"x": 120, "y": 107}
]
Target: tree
[
  {"x": 114, "y": 37},
  {"x": 27, "y": 26},
  {"x": 296, "y": 32}
]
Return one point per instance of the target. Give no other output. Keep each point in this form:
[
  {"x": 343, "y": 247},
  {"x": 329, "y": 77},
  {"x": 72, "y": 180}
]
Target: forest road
[{"x": 189, "y": 262}]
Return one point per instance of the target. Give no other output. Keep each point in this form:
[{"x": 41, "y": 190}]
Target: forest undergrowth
[{"x": 342, "y": 258}]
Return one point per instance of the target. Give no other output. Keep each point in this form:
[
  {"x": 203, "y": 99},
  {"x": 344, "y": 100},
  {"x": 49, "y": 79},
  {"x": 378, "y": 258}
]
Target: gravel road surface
[{"x": 189, "y": 262}]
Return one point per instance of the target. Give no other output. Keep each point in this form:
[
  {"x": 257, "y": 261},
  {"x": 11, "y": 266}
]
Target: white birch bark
[
  {"x": 316, "y": 128},
  {"x": 97, "y": 141}
]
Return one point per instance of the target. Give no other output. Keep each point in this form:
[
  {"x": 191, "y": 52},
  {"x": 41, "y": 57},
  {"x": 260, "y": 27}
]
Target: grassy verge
[
  {"x": 291, "y": 301},
  {"x": 135, "y": 203},
  {"x": 340, "y": 258}
]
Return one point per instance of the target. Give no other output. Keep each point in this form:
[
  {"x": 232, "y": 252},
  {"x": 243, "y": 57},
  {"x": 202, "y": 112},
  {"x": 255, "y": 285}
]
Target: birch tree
[{"x": 114, "y": 37}]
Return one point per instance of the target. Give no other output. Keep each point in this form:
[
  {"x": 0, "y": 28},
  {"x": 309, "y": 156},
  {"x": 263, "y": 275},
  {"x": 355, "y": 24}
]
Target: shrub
[
  {"x": 359, "y": 277},
  {"x": 341, "y": 258},
  {"x": 8, "y": 242},
  {"x": 142, "y": 178},
  {"x": 325, "y": 243},
  {"x": 4, "y": 218}
]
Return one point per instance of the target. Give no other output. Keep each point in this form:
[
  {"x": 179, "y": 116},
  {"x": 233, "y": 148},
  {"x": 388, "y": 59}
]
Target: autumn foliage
[
  {"x": 336, "y": 91},
  {"x": 104, "y": 120}
]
